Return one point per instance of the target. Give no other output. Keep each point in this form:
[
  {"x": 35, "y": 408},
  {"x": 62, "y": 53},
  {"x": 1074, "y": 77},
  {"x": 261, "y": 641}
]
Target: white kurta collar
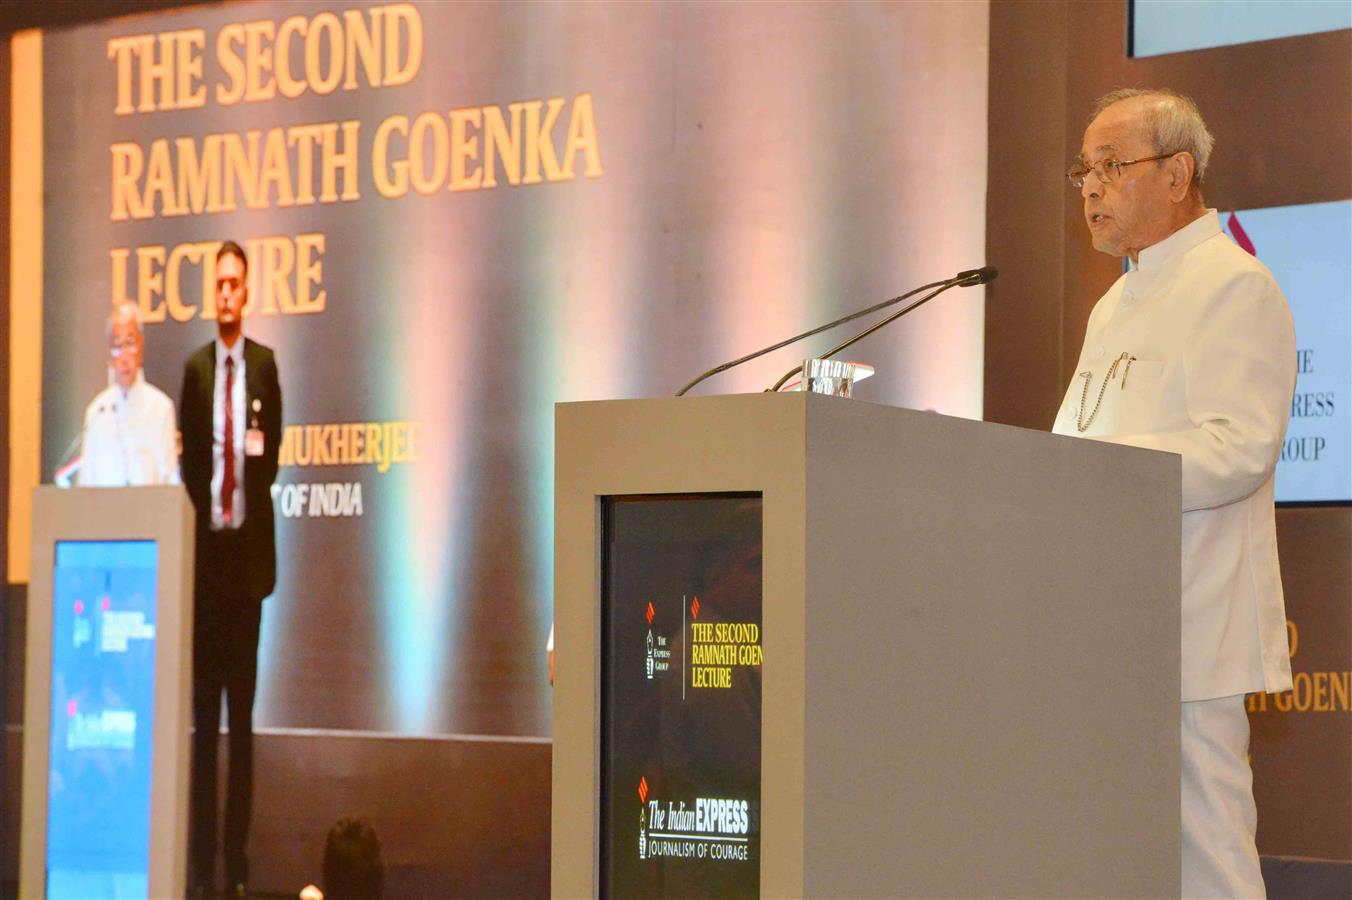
[
  {"x": 1157, "y": 256},
  {"x": 121, "y": 397}
]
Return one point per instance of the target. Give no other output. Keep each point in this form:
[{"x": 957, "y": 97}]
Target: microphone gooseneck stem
[
  {"x": 872, "y": 328},
  {"x": 807, "y": 334}
]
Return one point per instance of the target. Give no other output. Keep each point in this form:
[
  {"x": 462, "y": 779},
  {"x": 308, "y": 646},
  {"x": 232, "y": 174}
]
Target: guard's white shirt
[
  {"x": 239, "y": 395},
  {"x": 129, "y": 438},
  {"x": 1212, "y": 355}
]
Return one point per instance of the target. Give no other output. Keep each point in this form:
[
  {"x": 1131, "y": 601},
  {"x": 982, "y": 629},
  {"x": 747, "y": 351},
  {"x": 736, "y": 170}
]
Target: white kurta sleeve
[
  {"x": 1240, "y": 371},
  {"x": 168, "y": 449},
  {"x": 84, "y": 475}
]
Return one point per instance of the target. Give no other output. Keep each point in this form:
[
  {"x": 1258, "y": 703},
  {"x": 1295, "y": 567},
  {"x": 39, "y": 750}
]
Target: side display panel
[
  {"x": 103, "y": 677},
  {"x": 1309, "y": 250},
  {"x": 681, "y": 696},
  {"x": 1177, "y": 26}
]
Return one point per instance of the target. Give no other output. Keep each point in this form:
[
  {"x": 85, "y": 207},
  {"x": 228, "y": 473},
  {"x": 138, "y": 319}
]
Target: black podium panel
[{"x": 681, "y": 660}]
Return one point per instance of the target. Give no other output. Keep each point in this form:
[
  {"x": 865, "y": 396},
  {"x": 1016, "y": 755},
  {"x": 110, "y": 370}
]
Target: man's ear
[{"x": 1182, "y": 174}]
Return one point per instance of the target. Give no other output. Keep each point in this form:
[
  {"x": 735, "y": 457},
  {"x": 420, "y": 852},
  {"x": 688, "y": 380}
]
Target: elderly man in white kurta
[
  {"x": 129, "y": 435},
  {"x": 1192, "y": 351}
]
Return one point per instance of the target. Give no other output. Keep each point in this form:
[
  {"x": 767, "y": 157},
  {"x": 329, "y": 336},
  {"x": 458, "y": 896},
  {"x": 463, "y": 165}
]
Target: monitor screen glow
[
  {"x": 1175, "y": 26},
  {"x": 1308, "y": 248},
  {"x": 103, "y": 677}
]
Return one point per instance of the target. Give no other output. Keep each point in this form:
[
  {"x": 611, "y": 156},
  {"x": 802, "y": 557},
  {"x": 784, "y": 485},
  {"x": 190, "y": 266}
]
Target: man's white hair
[
  {"x": 125, "y": 308},
  {"x": 1171, "y": 121}
]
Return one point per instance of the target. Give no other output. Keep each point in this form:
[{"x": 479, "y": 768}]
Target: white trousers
[{"x": 1220, "y": 858}]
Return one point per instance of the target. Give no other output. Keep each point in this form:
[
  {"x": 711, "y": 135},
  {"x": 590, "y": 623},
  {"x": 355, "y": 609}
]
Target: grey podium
[
  {"x": 107, "y": 693},
  {"x": 965, "y": 646}
]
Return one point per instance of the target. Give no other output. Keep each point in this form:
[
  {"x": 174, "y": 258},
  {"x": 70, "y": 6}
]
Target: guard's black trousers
[{"x": 225, "y": 658}]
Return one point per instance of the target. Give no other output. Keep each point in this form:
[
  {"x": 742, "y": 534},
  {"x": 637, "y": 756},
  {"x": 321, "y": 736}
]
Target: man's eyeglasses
[
  {"x": 1107, "y": 170},
  {"x": 117, "y": 348}
]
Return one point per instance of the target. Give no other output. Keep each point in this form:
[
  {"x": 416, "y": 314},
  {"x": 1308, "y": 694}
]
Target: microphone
[
  {"x": 977, "y": 276},
  {"x": 962, "y": 279},
  {"x": 966, "y": 279}
]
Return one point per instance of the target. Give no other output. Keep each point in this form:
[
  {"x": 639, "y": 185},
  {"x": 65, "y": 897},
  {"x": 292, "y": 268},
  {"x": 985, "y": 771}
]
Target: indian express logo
[
  {"x": 715, "y": 828},
  {"x": 657, "y": 649},
  {"x": 649, "y": 616},
  {"x": 642, "y": 817}
]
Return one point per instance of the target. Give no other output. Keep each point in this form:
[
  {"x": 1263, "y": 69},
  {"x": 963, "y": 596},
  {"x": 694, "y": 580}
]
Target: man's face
[
  {"x": 231, "y": 293},
  {"x": 124, "y": 351},
  {"x": 1134, "y": 211}
]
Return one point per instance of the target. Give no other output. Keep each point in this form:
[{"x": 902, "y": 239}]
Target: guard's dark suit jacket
[{"x": 195, "y": 412}]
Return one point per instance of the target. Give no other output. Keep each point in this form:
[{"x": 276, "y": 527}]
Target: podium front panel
[
  {"x": 680, "y": 760},
  {"x": 103, "y": 713}
]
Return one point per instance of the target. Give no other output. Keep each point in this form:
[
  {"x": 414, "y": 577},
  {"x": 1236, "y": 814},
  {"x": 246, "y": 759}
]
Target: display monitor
[
  {"x": 680, "y": 755},
  {"x": 1173, "y": 26},
  {"x": 102, "y": 710},
  {"x": 1308, "y": 248}
]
